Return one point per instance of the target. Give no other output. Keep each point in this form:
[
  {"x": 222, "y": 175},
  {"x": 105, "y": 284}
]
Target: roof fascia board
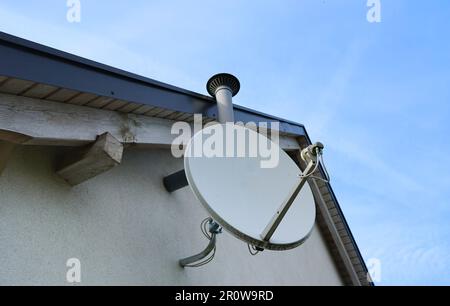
[{"x": 46, "y": 65}]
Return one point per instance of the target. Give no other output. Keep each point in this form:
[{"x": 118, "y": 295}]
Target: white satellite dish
[
  {"x": 243, "y": 197},
  {"x": 267, "y": 207}
]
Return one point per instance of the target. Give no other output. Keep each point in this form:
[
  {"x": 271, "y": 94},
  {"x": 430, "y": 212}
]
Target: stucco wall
[{"x": 126, "y": 230}]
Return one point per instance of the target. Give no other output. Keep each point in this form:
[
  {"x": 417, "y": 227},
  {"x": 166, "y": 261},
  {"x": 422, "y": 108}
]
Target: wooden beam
[
  {"x": 60, "y": 124},
  {"x": 289, "y": 143},
  {"x": 6, "y": 150},
  {"x": 31, "y": 121},
  {"x": 82, "y": 165}
]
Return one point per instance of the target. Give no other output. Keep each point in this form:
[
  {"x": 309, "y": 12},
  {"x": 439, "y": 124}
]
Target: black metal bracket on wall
[{"x": 175, "y": 181}]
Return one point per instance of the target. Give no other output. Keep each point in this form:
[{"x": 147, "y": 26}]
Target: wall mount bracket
[{"x": 202, "y": 258}]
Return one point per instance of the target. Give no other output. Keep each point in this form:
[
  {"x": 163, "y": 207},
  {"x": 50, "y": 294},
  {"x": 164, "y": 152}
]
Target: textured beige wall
[{"x": 126, "y": 230}]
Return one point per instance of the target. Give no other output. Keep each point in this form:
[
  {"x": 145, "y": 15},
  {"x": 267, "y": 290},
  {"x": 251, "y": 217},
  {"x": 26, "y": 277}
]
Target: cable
[
  {"x": 254, "y": 252},
  {"x": 204, "y": 262},
  {"x": 204, "y": 228},
  {"x": 325, "y": 169},
  {"x": 319, "y": 161},
  {"x": 327, "y": 176}
]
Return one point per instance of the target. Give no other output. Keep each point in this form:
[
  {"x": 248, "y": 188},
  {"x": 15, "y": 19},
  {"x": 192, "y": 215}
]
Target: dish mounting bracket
[{"x": 202, "y": 258}]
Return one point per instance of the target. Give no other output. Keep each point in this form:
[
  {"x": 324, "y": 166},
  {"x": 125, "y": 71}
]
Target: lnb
[{"x": 311, "y": 152}]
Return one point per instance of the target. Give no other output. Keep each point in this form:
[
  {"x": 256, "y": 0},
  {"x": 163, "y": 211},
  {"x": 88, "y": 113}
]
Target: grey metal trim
[{"x": 46, "y": 65}]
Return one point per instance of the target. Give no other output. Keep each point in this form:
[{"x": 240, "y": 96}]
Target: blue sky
[{"x": 377, "y": 94}]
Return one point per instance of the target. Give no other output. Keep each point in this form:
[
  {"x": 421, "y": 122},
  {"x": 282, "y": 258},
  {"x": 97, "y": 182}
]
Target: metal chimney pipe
[{"x": 224, "y": 87}]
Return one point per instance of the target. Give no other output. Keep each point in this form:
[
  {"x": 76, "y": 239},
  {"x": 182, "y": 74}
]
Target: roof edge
[{"x": 74, "y": 72}]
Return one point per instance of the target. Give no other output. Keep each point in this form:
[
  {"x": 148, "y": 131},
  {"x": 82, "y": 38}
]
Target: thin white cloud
[{"x": 77, "y": 41}]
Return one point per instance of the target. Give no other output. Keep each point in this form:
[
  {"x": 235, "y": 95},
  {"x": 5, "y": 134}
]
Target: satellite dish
[
  {"x": 268, "y": 207},
  {"x": 243, "y": 197}
]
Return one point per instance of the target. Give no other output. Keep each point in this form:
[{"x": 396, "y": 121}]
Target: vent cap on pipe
[{"x": 223, "y": 79}]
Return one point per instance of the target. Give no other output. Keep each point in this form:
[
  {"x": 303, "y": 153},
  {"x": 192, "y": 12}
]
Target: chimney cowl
[{"x": 223, "y": 79}]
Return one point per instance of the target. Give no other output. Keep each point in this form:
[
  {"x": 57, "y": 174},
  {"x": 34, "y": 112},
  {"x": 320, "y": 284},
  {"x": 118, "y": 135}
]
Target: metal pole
[
  {"x": 214, "y": 229},
  {"x": 281, "y": 212},
  {"x": 224, "y": 98},
  {"x": 224, "y": 87},
  {"x": 192, "y": 259}
]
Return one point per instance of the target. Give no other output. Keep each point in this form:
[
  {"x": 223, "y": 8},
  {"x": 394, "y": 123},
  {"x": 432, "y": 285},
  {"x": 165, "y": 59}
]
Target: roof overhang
[{"x": 46, "y": 65}]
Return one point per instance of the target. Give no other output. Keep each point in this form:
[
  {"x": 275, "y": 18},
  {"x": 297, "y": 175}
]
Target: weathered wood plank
[
  {"x": 99, "y": 102},
  {"x": 164, "y": 113},
  {"x": 32, "y": 121},
  {"x": 142, "y": 109},
  {"x": 84, "y": 164},
  {"x": 15, "y": 86},
  {"x": 82, "y": 99},
  {"x": 40, "y": 91},
  {"x": 128, "y": 108},
  {"x": 183, "y": 117},
  {"x": 53, "y": 123},
  {"x": 116, "y": 104},
  {"x": 62, "y": 95},
  {"x": 288, "y": 143},
  {"x": 154, "y": 111}
]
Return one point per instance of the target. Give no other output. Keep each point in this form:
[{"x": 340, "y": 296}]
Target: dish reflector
[{"x": 243, "y": 197}]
